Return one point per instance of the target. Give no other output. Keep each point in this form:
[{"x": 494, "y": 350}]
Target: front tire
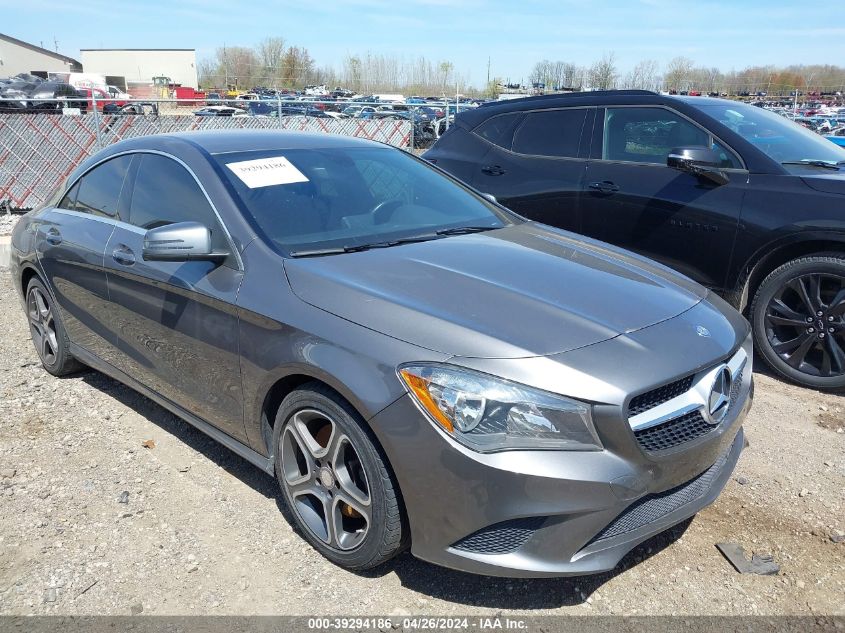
[
  {"x": 47, "y": 331},
  {"x": 798, "y": 316},
  {"x": 336, "y": 484}
]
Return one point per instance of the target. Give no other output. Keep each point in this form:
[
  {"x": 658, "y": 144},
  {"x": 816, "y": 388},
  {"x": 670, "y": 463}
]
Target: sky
[{"x": 513, "y": 34}]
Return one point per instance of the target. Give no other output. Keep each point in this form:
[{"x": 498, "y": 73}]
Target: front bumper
[{"x": 569, "y": 513}]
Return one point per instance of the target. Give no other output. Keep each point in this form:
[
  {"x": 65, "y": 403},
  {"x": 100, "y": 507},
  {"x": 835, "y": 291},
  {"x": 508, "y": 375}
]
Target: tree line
[
  {"x": 683, "y": 74},
  {"x": 273, "y": 63}
]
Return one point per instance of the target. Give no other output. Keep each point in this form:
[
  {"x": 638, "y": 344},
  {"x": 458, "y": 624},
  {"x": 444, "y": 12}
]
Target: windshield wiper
[
  {"x": 339, "y": 250},
  {"x": 462, "y": 230},
  {"x": 826, "y": 164},
  {"x": 355, "y": 248}
]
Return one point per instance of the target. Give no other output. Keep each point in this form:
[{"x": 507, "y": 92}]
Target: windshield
[
  {"x": 313, "y": 199},
  {"x": 780, "y": 138}
]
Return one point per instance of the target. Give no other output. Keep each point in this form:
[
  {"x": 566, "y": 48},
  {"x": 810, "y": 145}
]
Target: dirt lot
[{"x": 200, "y": 531}]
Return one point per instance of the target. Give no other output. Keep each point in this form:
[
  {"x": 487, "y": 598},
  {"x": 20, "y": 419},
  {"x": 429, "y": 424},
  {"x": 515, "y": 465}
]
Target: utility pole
[
  {"x": 56, "y": 43},
  {"x": 488, "y": 70}
]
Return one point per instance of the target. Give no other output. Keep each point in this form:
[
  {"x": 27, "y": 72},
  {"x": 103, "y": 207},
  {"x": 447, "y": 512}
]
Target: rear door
[
  {"x": 632, "y": 199},
  {"x": 176, "y": 321},
  {"x": 536, "y": 163},
  {"x": 71, "y": 243}
]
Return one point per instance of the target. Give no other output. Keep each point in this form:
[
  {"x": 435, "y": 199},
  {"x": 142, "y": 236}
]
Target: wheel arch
[
  {"x": 28, "y": 272},
  {"x": 773, "y": 255},
  {"x": 285, "y": 382}
]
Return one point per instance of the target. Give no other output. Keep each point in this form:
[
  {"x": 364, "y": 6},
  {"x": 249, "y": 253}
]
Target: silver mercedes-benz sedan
[{"x": 417, "y": 366}]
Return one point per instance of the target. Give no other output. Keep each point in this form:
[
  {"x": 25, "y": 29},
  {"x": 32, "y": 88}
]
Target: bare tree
[
  {"x": 602, "y": 74},
  {"x": 678, "y": 73},
  {"x": 643, "y": 76}
]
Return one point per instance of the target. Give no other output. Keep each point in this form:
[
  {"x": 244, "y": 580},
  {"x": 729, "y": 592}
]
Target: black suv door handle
[
  {"x": 54, "y": 237},
  {"x": 605, "y": 186},
  {"x": 123, "y": 255},
  {"x": 493, "y": 170}
]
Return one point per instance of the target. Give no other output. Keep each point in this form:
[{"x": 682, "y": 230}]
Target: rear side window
[
  {"x": 554, "y": 133},
  {"x": 498, "y": 129},
  {"x": 99, "y": 189},
  {"x": 165, "y": 193}
]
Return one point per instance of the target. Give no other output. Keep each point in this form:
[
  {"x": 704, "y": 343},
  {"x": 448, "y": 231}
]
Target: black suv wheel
[{"x": 798, "y": 316}]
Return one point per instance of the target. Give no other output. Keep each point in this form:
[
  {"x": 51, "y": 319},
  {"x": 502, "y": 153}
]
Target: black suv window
[
  {"x": 647, "y": 135},
  {"x": 498, "y": 129},
  {"x": 555, "y": 133},
  {"x": 98, "y": 191},
  {"x": 165, "y": 193}
]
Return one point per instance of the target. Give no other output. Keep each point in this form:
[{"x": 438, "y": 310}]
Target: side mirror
[
  {"x": 699, "y": 161},
  {"x": 179, "y": 242}
]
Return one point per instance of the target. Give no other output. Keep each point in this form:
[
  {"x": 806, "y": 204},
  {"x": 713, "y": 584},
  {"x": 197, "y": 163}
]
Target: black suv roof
[{"x": 592, "y": 98}]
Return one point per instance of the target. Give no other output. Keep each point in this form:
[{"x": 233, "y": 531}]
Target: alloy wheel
[
  {"x": 43, "y": 326},
  {"x": 805, "y": 324},
  {"x": 326, "y": 482}
]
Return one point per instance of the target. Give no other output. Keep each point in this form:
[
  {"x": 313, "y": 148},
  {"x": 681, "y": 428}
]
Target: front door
[
  {"x": 632, "y": 199},
  {"x": 176, "y": 321}
]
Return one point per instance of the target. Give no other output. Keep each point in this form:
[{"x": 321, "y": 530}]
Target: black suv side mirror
[{"x": 698, "y": 161}]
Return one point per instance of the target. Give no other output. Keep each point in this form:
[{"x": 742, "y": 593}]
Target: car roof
[
  {"x": 591, "y": 98},
  {"x": 222, "y": 141}
]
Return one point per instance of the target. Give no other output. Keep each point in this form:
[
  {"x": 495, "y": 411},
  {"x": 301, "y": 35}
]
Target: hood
[
  {"x": 833, "y": 182},
  {"x": 524, "y": 290}
]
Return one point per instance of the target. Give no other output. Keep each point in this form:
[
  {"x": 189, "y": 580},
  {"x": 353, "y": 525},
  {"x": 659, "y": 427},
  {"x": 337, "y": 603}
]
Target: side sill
[{"x": 264, "y": 463}]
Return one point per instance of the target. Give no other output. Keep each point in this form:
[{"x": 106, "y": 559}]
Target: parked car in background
[
  {"x": 838, "y": 137},
  {"x": 219, "y": 110},
  {"x": 495, "y": 417},
  {"x": 54, "y": 97},
  {"x": 737, "y": 198},
  {"x": 105, "y": 103}
]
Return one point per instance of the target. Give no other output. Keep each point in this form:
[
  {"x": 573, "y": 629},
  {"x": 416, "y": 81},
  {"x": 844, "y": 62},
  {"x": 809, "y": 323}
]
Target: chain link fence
[{"x": 39, "y": 150}]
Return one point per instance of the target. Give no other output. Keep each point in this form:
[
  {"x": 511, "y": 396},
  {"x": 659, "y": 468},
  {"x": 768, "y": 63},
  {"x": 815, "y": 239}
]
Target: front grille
[
  {"x": 736, "y": 387},
  {"x": 673, "y": 432},
  {"x": 658, "y": 396},
  {"x": 653, "y": 507},
  {"x": 500, "y": 538}
]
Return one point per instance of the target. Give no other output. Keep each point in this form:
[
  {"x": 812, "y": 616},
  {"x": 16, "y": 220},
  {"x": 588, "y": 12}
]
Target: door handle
[
  {"x": 605, "y": 186},
  {"x": 493, "y": 170},
  {"x": 54, "y": 237},
  {"x": 123, "y": 255}
]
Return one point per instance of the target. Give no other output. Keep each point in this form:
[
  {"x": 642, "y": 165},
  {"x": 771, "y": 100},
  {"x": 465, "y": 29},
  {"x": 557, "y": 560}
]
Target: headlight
[{"x": 489, "y": 414}]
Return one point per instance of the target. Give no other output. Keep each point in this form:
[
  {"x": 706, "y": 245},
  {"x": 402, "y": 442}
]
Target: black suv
[{"x": 740, "y": 199}]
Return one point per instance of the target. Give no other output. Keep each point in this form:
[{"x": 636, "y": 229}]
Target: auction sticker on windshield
[{"x": 265, "y": 172}]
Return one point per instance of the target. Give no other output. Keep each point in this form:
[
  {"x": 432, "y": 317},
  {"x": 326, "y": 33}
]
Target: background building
[
  {"x": 140, "y": 65},
  {"x": 19, "y": 57}
]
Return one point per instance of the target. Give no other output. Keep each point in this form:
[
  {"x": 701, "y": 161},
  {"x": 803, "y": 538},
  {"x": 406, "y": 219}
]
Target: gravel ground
[
  {"x": 7, "y": 223},
  {"x": 110, "y": 505}
]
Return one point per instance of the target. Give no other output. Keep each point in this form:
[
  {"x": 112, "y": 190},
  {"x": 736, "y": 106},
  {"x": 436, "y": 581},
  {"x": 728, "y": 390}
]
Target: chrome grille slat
[{"x": 677, "y": 412}]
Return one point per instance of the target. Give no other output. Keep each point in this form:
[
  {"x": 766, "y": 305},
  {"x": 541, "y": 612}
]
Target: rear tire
[
  {"x": 798, "y": 317},
  {"x": 48, "y": 332},
  {"x": 335, "y": 482}
]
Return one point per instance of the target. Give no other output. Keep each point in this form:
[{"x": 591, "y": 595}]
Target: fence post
[
  {"x": 279, "y": 108},
  {"x": 96, "y": 119},
  {"x": 413, "y": 125}
]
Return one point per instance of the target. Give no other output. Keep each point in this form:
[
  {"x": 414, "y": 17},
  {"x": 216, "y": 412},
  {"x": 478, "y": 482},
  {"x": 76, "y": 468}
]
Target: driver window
[{"x": 647, "y": 135}]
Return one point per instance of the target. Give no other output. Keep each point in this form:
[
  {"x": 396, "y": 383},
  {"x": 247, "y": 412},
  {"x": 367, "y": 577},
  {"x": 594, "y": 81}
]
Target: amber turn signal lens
[{"x": 420, "y": 388}]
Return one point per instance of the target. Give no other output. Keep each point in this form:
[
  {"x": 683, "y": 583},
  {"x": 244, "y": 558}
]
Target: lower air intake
[
  {"x": 653, "y": 507},
  {"x": 500, "y": 538}
]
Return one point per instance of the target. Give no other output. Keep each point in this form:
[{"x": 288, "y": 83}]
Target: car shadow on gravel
[
  {"x": 193, "y": 438},
  {"x": 516, "y": 593},
  {"x": 424, "y": 578}
]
